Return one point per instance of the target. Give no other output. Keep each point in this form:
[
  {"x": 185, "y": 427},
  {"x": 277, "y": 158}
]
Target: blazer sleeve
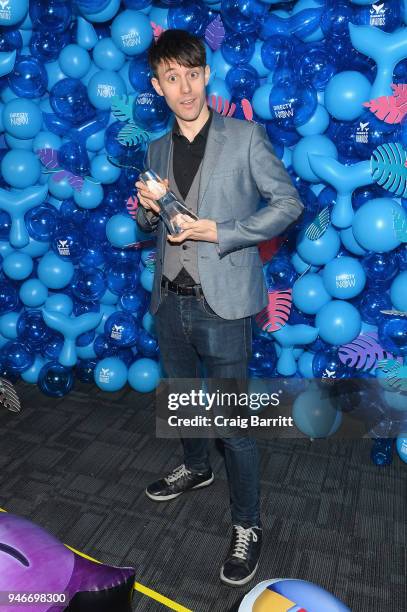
[
  {"x": 147, "y": 220},
  {"x": 274, "y": 184}
]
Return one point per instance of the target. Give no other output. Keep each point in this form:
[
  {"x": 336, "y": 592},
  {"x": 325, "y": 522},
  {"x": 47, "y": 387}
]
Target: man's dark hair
[{"x": 179, "y": 46}]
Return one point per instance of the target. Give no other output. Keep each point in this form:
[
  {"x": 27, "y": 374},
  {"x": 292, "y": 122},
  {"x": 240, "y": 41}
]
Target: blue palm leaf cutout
[
  {"x": 318, "y": 227},
  {"x": 388, "y": 168},
  {"x": 394, "y": 313},
  {"x": 400, "y": 226},
  {"x": 364, "y": 353},
  {"x": 396, "y": 373},
  {"x": 131, "y": 135},
  {"x": 122, "y": 108},
  {"x": 150, "y": 261}
]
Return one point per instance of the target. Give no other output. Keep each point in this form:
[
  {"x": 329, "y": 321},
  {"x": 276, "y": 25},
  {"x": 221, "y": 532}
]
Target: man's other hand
[{"x": 203, "y": 229}]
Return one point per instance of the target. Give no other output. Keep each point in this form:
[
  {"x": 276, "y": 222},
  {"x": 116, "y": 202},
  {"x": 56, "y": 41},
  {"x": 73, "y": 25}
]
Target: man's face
[{"x": 182, "y": 87}]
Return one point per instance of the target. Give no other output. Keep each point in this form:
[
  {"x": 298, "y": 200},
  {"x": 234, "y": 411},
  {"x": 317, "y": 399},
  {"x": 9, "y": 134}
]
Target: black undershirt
[{"x": 187, "y": 157}]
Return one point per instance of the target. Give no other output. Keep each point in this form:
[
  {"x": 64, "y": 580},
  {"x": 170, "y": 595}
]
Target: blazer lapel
[{"x": 216, "y": 140}]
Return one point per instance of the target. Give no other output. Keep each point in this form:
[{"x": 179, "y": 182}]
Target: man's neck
[{"x": 190, "y": 129}]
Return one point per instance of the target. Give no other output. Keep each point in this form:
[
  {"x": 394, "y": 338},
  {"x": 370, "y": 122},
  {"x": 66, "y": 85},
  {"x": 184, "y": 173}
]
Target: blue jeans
[{"x": 191, "y": 335}]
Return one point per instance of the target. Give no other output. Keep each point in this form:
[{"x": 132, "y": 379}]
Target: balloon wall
[{"x": 327, "y": 79}]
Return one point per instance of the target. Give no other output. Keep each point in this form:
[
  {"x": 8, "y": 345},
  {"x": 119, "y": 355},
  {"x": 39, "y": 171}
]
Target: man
[{"x": 209, "y": 279}]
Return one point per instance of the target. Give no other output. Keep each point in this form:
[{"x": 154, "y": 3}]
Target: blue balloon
[
  {"x": 401, "y": 445},
  {"x": 279, "y": 273},
  {"x": 84, "y": 370},
  {"x": 292, "y": 104},
  {"x": 380, "y": 268},
  {"x": 349, "y": 242},
  {"x": 15, "y": 11},
  {"x": 121, "y": 230},
  {"x": 373, "y": 225},
  {"x": 32, "y": 330},
  {"x": 33, "y": 293},
  {"x": 69, "y": 213},
  {"x": 345, "y": 94},
  {"x": 41, "y": 222},
  {"x": 371, "y": 304},
  {"x": 8, "y": 297},
  {"x": 69, "y": 101},
  {"x": 321, "y": 251},
  {"x": 102, "y": 170},
  {"x": 53, "y": 272},
  {"x": 190, "y": 16},
  {"x": 147, "y": 345},
  {"x": 393, "y": 335},
  {"x": 50, "y": 16},
  {"x": 90, "y": 196},
  {"x": 398, "y": 292},
  {"x": 310, "y": 294},
  {"x": 316, "y": 416},
  {"x": 69, "y": 243},
  {"x": 103, "y": 86},
  {"x": 96, "y": 227},
  {"x": 237, "y": 48},
  {"x": 338, "y": 322},
  {"x": 29, "y": 78},
  {"x": 55, "y": 379},
  {"x": 46, "y": 140},
  {"x": 242, "y": 81},
  {"x": 17, "y": 357},
  {"x": 72, "y": 156},
  {"x": 8, "y": 325},
  {"x": 131, "y": 32},
  {"x": 122, "y": 275},
  {"x": 88, "y": 284},
  {"x": 150, "y": 111},
  {"x": 111, "y": 374},
  {"x": 107, "y": 56},
  {"x": 344, "y": 277},
  {"x": 134, "y": 302},
  {"x": 74, "y": 61},
  {"x": 22, "y": 118},
  {"x": 140, "y": 74},
  {"x": 327, "y": 365},
  {"x": 144, "y": 375},
  {"x": 121, "y": 329},
  {"x": 20, "y": 168},
  {"x": 59, "y": 302},
  {"x": 17, "y": 266},
  {"x": 46, "y": 46},
  {"x": 304, "y": 364}
]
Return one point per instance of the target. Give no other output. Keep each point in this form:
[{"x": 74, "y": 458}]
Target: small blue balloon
[
  {"x": 89, "y": 284},
  {"x": 52, "y": 15},
  {"x": 147, "y": 345},
  {"x": 41, "y": 222},
  {"x": 73, "y": 156},
  {"x": 140, "y": 74},
  {"x": 327, "y": 365},
  {"x": 20, "y": 168},
  {"x": 371, "y": 304},
  {"x": 380, "y": 268},
  {"x": 393, "y": 335},
  {"x": 401, "y": 445},
  {"x": 59, "y": 302},
  {"x": 144, "y": 375},
  {"x": 68, "y": 243},
  {"x": 345, "y": 94},
  {"x": 121, "y": 230},
  {"x": 373, "y": 225},
  {"x": 90, "y": 196},
  {"x": 310, "y": 294},
  {"x": 55, "y": 379},
  {"x": 32, "y": 330},
  {"x": 121, "y": 329},
  {"x": 398, "y": 292},
  {"x": 54, "y": 272},
  {"x": 17, "y": 356},
  {"x": 33, "y": 293},
  {"x": 344, "y": 277},
  {"x": 111, "y": 374},
  {"x": 69, "y": 101},
  {"x": 317, "y": 144},
  {"x": 121, "y": 276},
  {"x": 29, "y": 78},
  {"x": 150, "y": 110},
  {"x": 74, "y": 61},
  {"x": 103, "y": 171},
  {"x": 103, "y": 86},
  {"x": 314, "y": 416},
  {"x": 17, "y": 266},
  {"x": 22, "y": 118},
  {"x": 8, "y": 325},
  {"x": 321, "y": 251},
  {"x": 8, "y": 297},
  {"x": 31, "y": 375}
]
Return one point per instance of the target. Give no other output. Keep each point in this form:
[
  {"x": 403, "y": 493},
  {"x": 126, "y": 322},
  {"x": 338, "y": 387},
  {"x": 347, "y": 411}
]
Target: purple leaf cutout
[
  {"x": 215, "y": 33},
  {"x": 48, "y": 157},
  {"x": 363, "y": 353}
]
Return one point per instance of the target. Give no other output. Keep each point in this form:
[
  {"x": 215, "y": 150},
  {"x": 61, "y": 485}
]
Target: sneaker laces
[
  {"x": 176, "y": 474},
  {"x": 243, "y": 538}
]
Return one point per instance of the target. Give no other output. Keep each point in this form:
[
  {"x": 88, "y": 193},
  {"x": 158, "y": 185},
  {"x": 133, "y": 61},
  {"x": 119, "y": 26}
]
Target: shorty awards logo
[
  {"x": 131, "y": 39},
  {"x": 104, "y": 375},
  {"x": 117, "y": 332},
  {"x": 63, "y": 247},
  {"x": 106, "y": 91},
  {"x": 362, "y": 132},
  {"x": 343, "y": 281},
  {"x": 5, "y": 10},
  {"x": 19, "y": 118},
  {"x": 378, "y": 15}
]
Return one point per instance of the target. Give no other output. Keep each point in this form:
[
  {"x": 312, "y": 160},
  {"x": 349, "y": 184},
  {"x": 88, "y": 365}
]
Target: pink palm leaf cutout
[
  {"x": 390, "y": 109},
  {"x": 247, "y": 109},
  {"x": 132, "y": 206},
  {"x": 221, "y": 106},
  {"x": 157, "y": 30},
  {"x": 275, "y": 315}
]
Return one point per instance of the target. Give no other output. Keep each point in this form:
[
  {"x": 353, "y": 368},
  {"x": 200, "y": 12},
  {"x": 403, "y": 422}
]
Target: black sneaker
[
  {"x": 177, "y": 482},
  {"x": 243, "y": 557}
]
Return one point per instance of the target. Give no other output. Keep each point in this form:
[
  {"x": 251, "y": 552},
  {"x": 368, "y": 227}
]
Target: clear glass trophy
[{"x": 171, "y": 208}]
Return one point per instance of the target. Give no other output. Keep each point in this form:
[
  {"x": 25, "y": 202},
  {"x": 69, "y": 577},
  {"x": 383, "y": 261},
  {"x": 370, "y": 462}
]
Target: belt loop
[{"x": 197, "y": 291}]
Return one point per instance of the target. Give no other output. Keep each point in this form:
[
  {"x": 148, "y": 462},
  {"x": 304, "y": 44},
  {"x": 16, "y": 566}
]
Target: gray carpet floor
[{"x": 78, "y": 466}]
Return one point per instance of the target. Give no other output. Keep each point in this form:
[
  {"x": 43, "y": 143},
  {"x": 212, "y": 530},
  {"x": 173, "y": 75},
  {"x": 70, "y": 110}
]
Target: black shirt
[
  {"x": 186, "y": 159},
  {"x": 188, "y": 155}
]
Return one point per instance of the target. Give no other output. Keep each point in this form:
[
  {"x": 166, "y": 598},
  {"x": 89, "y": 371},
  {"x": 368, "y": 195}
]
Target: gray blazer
[{"x": 239, "y": 167}]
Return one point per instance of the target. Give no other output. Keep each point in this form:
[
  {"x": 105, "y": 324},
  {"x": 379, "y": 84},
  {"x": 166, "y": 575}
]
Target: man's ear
[
  {"x": 207, "y": 73},
  {"x": 156, "y": 85}
]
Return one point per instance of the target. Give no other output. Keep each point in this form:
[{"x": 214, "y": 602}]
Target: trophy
[{"x": 171, "y": 208}]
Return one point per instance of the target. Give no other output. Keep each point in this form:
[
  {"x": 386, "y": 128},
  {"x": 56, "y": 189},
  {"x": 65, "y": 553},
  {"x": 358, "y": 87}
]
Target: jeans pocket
[{"x": 207, "y": 309}]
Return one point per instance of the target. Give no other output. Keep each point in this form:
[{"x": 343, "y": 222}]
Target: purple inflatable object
[{"x": 33, "y": 561}]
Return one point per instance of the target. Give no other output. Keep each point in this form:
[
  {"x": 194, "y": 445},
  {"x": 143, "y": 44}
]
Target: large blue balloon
[
  {"x": 121, "y": 329},
  {"x": 53, "y": 272},
  {"x": 103, "y": 86},
  {"x": 398, "y": 292},
  {"x": 345, "y": 94},
  {"x": 22, "y": 118},
  {"x": 55, "y": 379},
  {"x": 144, "y": 375},
  {"x": 309, "y": 293},
  {"x": 339, "y": 322},
  {"x": 132, "y": 32},
  {"x": 20, "y": 168},
  {"x": 69, "y": 100},
  {"x": 315, "y": 415},
  {"x": 373, "y": 225},
  {"x": 18, "y": 266},
  {"x": 74, "y": 61},
  {"x": 321, "y": 251},
  {"x": 29, "y": 78}
]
